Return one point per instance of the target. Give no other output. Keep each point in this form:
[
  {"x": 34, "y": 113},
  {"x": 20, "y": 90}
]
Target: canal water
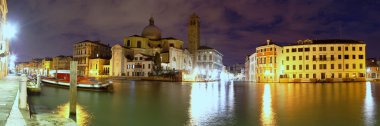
[{"x": 148, "y": 103}]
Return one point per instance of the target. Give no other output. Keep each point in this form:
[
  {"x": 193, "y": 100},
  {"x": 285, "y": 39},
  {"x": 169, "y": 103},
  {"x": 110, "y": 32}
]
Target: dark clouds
[{"x": 234, "y": 27}]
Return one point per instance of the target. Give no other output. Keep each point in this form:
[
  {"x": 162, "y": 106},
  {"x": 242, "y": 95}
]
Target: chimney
[{"x": 269, "y": 41}]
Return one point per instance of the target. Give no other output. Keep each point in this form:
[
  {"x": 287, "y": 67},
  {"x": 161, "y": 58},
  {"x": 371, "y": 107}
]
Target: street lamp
[{"x": 9, "y": 31}]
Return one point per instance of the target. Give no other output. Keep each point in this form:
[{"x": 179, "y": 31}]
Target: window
[
  {"x": 138, "y": 44},
  {"x": 320, "y": 48},
  {"x": 128, "y": 43},
  {"x": 332, "y": 75},
  {"x": 171, "y": 45},
  {"x": 314, "y": 58},
  {"x": 353, "y": 48},
  {"x": 175, "y": 59},
  {"x": 353, "y": 56},
  {"x": 314, "y": 76},
  {"x": 294, "y": 58},
  {"x": 300, "y": 75},
  {"x": 353, "y": 66},
  {"x": 360, "y": 56},
  {"x": 346, "y": 48},
  {"x": 339, "y": 66},
  {"x": 148, "y": 66},
  {"x": 314, "y": 48},
  {"x": 360, "y": 48},
  {"x": 294, "y": 50},
  {"x": 287, "y": 58},
  {"x": 287, "y": 67},
  {"x": 300, "y": 49},
  {"x": 347, "y": 75},
  {"x": 339, "y": 56},
  {"x": 332, "y": 66},
  {"x": 300, "y": 67},
  {"x": 287, "y": 50},
  {"x": 339, "y": 48},
  {"x": 361, "y": 66},
  {"x": 294, "y": 75},
  {"x": 324, "y": 49},
  {"x": 332, "y": 48},
  {"x": 294, "y": 67},
  {"x": 340, "y": 75},
  {"x": 199, "y": 57},
  {"x": 307, "y": 49},
  {"x": 300, "y": 57},
  {"x": 307, "y": 57},
  {"x": 140, "y": 58},
  {"x": 307, "y": 66},
  {"x": 210, "y": 58},
  {"x": 346, "y": 57},
  {"x": 143, "y": 66},
  {"x": 204, "y": 57},
  {"x": 314, "y": 67},
  {"x": 307, "y": 75},
  {"x": 347, "y": 66},
  {"x": 270, "y": 60}
]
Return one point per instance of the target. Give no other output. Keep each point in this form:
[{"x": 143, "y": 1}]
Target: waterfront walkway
[
  {"x": 11, "y": 115},
  {"x": 8, "y": 92}
]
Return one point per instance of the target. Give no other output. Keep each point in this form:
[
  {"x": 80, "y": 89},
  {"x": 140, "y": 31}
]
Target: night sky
[{"x": 234, "y": 27}]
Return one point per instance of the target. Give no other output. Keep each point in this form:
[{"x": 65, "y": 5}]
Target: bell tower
[
  {"x": 194, "y": 33},
  {"x": 194, "y": 37}
]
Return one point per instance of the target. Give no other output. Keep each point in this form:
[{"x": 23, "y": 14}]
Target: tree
[{"x": 157, "y": 64}]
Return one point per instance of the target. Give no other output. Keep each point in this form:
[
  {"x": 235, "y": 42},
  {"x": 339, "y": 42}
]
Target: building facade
[
  {"x": 4, "y": 40},
  {"x": 268, "y": 59},
  {"x": 61, "y": 62},
  {"x": 172, "y": 54},
  {"x": 209, "y": 62},
  {"x": 85, "y": 50},
  {"x": 308, "y": 60},
  {"x": 98, "y": 67},
  {"x": 372, "y": 69}
]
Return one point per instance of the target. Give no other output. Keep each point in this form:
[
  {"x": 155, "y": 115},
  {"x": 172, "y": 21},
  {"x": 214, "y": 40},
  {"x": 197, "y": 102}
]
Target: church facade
[{"x": 135, "y": 57}]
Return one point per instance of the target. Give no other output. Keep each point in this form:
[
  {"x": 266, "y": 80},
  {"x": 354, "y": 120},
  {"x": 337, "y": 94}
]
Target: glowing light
[
  {"x": 9, "y": 31},
  {"x": 267, "y": 115},
  {"x": 368, "y": 70},
  {"x": 266, "y": 73},
  {"x": 82, "y": 118}
]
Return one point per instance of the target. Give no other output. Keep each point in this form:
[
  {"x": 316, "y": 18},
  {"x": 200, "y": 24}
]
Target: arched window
[
  {"x": 210, "y": 57},
  {"x": 138, "y": 44},
  {"x": 128, "y": 43},
  {"x": 204, "y": 57}
]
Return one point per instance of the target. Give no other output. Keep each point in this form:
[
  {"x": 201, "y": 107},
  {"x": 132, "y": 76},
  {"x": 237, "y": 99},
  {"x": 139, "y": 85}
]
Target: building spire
[{"x": 151, "y": 21}]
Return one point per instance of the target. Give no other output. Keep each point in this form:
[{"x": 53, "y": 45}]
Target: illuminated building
[
  {"x": 61, "y": 62},
  {"x": 209, "y": 62},
  {"x": 311, "y": 61},
  {"x": 324, "y": 60},
  {"x": 372, "y": 69},
  {"x": 85, "y": 50},
  {"x": 47, "y": 66},
  {"x": 250, "y": 67},
  {"x": 4, "y": 41},
  {"x": 173, "y": 56},
  {"x": 98, "y": 67},
  {"x": 268, "y": 59}
]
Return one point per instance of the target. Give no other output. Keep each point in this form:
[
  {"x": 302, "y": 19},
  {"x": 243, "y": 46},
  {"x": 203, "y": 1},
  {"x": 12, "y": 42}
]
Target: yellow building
[
  {"x": 4, "y": 40},
  {"x": 46, "y": 66},
  {"x": 311, "y": 61},
  {"x": 85, "y": 50},
  {"x": 98, "y": 67},
  {"x": 324, "y": 61},
  {"x": 61, "y": 62}
]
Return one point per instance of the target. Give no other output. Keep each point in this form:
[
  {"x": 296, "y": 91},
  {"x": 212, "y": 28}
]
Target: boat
[{"x": 63, "y": 79}]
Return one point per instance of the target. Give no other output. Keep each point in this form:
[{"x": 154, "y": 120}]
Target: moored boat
[{"x": 63, "y": 79}]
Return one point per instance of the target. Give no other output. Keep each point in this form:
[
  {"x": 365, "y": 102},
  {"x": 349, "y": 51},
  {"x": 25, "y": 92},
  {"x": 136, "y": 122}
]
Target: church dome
[{"x": 151, "y": 31}]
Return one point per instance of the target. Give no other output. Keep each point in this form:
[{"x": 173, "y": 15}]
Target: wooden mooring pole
[{"x": 73, "y": 88}]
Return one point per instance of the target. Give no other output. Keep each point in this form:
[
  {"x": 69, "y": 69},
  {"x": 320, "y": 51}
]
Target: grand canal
[{"x": 147, "y": 103}]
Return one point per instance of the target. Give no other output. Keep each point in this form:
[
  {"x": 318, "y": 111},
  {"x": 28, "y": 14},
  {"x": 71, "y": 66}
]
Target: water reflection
[
  {"x": 211, "y": 103},
  {"x": 369, "y": 106},
  {"x": 82, "y": 118},
  {"x": 267, "y": 115}
]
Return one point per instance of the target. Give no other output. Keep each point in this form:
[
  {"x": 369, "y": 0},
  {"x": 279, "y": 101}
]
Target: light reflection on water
[
  {"x": 267, "y": 114},
  {"x": 369, "y": 106},
  {"x": 208, "y": 101},
  {"x": 149, "y": 103},
  {"x": 82, "y": 118}
]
